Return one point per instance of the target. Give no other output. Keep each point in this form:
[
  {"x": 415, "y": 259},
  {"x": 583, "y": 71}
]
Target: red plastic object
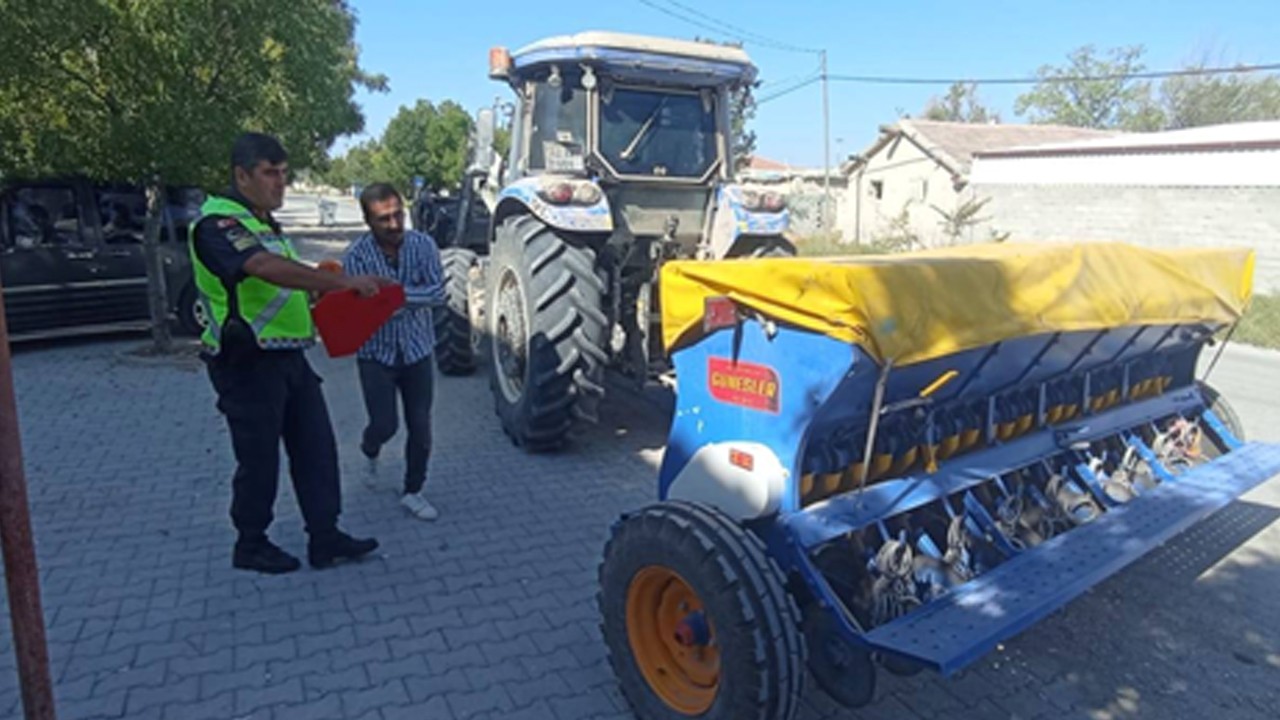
[{"x": 346, "y": 321}]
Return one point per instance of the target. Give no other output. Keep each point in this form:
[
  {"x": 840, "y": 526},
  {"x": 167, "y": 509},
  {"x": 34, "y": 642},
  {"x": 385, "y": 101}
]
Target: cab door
[{"x": 120, "y": 216}]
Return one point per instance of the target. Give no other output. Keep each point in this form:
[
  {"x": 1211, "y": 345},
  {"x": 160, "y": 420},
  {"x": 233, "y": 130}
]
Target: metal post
[
  {"x": 826, "y": 150},
  {"x": 21, "y": 578}
]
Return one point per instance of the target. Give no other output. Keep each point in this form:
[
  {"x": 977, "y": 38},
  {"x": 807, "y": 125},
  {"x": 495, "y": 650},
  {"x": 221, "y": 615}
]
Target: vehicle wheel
[
  {"x": 1219, "y": 406},
  {"x": 696, "y": 618},
  {"x": 773, "y": 250},
  {"x": 454, "y": 352},
  {"x": 843, "y": 671},
  {"x": 762, "y": 247},
  {"x": 546, "y": 332},
  {"x": 192, "y": 318}
]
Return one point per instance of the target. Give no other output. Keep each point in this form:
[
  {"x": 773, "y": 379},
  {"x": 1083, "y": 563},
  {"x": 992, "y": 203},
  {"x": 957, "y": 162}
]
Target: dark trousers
[
  {"x": 415, "y": 386},
  {"x": 267, "y": 397}
]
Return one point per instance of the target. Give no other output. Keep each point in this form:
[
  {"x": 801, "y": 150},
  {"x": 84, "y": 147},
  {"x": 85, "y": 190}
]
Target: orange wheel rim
[{"x": 673, "y": 644}]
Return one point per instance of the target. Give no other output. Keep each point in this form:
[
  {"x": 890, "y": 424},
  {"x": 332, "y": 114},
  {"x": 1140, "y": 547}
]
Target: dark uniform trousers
[{"x": 268, "y": 396}]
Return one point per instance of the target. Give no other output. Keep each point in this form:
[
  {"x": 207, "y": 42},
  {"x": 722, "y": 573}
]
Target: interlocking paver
[{"x": 490, "y": 611}]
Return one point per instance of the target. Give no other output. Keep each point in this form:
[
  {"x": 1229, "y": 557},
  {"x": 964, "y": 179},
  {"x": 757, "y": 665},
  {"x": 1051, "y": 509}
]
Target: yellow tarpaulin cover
[{"x": 919, "y": 306}]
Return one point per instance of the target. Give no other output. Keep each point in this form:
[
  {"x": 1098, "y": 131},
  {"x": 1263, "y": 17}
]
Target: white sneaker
[{"x": 418, "y": 505}]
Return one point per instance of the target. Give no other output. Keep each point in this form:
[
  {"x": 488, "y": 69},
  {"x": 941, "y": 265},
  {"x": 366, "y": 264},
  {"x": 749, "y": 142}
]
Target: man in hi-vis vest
[{"x": 255, "y": 296}]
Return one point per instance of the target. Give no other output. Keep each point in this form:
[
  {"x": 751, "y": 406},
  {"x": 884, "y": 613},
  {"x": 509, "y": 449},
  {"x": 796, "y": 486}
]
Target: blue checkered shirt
[{"x": 408, "y": 336}]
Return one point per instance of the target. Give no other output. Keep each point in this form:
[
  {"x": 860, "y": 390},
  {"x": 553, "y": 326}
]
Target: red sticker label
[{"x": 745, "y": 384}]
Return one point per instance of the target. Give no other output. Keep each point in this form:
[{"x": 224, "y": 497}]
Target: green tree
[
  {"x": 154, "y": 91},
  {"x": 1195, "y": 100},
  {"x": 1094, "y": 92},
  {"x": 742, "y": 110},
  {"x": 425, "y": 141},
  {"x": 960, "y": 104}
]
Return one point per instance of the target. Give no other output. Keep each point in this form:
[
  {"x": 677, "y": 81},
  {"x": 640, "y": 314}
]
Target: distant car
[{"x": 71, "y": 258}]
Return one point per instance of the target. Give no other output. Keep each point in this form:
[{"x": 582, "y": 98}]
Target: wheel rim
[
  {"x": 199, "y": 315},
  {"x": 673, "y": 644},
  {"x": 510, "y": 337}
]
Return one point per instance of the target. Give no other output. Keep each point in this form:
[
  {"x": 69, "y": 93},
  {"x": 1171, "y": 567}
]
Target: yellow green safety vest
[{"x": 279, "y": 317}]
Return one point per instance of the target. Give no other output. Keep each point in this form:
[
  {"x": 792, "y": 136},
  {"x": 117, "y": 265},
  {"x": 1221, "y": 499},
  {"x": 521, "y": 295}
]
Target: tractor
[{"x": 619, "y": 162}]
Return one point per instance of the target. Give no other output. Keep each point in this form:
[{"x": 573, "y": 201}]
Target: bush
[{"x": 1261, "y": 323}]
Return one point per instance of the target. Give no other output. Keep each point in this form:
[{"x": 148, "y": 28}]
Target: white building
[
  {"x": 918, "y": 170},
  {"x": 1217, "y": 186}
]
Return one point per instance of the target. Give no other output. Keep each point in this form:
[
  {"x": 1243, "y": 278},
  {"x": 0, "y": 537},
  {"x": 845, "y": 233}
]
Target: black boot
[
  {"x": 262, "y": 555},
  {"x": 324, "y": 550}
]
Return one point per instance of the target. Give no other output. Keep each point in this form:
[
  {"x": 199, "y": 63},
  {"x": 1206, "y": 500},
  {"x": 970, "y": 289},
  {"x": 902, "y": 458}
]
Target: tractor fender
[
  {"x": 523, "y": 196},
  {"x": 738, "y": 224}
]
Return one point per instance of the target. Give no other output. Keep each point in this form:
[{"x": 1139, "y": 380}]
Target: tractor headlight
[
  {"x": 564, "y": 192},
  {"x": 769, "y": 201}
]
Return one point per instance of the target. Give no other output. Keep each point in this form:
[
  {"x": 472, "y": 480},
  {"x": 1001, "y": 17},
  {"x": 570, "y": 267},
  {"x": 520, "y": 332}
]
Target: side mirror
[{"x": 484, "y": 134}]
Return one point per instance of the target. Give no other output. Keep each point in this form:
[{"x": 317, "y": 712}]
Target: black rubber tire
[
  {"x": 846, "y": 673},
  {"x": 773, "y": 251},
  {"x": 454, "y": 352},
  {"x": 762, "y": 246},
  {"x": 1219, "y": 406},
  {"x": 561, "y": 297},
  {"x": 762, "y": 651},
  {"x": 188, "y": 312}
]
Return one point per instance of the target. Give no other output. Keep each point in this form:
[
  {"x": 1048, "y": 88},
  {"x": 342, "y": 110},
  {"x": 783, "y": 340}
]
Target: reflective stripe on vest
[{"x": 281, "y": 318}]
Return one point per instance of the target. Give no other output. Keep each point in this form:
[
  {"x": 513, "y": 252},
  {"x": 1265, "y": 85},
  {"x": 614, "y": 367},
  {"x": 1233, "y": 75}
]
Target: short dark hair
[
  {"x": 252, "y": 148},
  {"x": 378, "y": 192}
]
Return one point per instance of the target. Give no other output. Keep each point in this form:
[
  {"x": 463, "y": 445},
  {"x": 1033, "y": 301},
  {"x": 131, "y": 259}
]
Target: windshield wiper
[{"x": 630, "y": 149}]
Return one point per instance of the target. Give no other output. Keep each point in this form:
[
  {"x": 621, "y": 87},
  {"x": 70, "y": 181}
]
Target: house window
[
  {"x": 877, "y": 189},
  {"x": 924, "y": 190}
]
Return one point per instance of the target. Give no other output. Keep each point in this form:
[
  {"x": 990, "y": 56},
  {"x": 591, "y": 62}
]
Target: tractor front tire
[
  {"x": 547, "y": 331},
  {"x": 697, "y": 620},
  {"x": 455, "y": 353}
]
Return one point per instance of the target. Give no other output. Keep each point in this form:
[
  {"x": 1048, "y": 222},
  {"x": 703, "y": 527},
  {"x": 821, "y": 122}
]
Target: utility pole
[
  {"x": 21, "y": 578},
  {"x": 826, "y": 148}
]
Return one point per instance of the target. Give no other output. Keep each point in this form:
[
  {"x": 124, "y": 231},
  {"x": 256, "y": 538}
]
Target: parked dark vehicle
[{"x": 71, "y": 257}]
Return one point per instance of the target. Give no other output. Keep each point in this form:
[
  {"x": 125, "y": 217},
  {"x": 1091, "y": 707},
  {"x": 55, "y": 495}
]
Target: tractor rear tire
[
  {"x": 677, "y": 566},
  {"x": 547, "y": 331},
  {"x": 455, "y": 353}
]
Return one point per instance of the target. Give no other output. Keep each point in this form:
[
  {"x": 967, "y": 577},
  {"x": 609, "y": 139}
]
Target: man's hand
[
  {"x": 291, "y": 274},
  {"x": 367, "y": 285}
]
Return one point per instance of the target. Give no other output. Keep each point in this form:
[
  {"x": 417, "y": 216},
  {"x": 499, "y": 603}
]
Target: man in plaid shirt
[{"x": 397, "y": 359}]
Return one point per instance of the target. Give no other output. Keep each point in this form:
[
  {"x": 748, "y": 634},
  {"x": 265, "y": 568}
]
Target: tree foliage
[
  {"x": 960, "y": 104},
  {"x": 1093, "y": 92},
  {"x": 1196, "y": 100},
  {"x": 421, "y": 140},
  {"x": 130, "y": 90},
  {"x": 742, "y": 110}
]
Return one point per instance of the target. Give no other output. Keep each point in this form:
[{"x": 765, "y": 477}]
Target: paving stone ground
[{"x": 490, "y": 612}]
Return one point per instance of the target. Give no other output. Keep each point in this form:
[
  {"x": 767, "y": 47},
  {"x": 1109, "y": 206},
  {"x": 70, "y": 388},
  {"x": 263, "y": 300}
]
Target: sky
[{"x": 438, "y": 50}]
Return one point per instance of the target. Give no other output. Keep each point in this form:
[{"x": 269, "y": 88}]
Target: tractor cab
[{"x": 645, "y": 119}]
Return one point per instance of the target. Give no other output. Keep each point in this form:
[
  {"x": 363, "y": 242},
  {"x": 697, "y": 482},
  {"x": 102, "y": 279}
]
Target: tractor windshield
[
  {"x": 559, "y": 129},
  {"x": 657, "y": 133}
]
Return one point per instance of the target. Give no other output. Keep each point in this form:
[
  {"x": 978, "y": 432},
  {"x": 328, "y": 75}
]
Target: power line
[
  {"x": 732, "y": 30},
  {"x": 798, "y": 86},
  {"x": 872, "y": 79},
  {"x": 691, "y": 15}
]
